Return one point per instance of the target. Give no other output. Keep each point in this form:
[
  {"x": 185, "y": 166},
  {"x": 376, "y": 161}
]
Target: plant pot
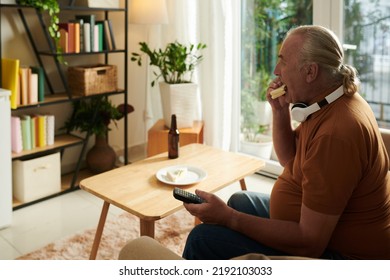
[
  {"x": 101, "y": 157},
  {"x": 263, "y": 112},
  {"x": 181, "y": 100},
  {"x": 262, "y": 148}
]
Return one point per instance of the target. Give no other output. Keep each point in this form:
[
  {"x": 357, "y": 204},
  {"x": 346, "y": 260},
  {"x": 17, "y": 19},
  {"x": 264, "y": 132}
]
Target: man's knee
[
  {"x": 251, "y": 203},
  {"x": 238, "y": 199}
]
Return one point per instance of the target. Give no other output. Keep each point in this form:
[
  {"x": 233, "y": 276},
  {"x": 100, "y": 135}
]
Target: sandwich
[{"x": 278, "y": 92}]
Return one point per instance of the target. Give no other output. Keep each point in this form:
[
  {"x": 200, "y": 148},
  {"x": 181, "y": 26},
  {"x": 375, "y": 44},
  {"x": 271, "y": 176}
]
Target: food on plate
[
  {"x": 177, "y": 174},
  {"x": 278, "y": 92}
]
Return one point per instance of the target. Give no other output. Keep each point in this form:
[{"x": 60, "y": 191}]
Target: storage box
[
  {"x": 36, "y": 178},
  {"x": 92, "y": 79},
  {"x": 98, "y": 3}
]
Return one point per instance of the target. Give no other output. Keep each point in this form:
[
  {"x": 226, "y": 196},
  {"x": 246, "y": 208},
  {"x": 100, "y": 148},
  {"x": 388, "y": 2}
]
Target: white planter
[
  {"x": 181, "y": 100},
  {"x": 262, "y": 148},
  {"x": 263, "y": 112}
]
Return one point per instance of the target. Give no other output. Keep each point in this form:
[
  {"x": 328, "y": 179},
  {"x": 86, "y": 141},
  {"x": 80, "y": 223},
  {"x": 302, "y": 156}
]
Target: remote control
[{"x": 186, "y": 197}]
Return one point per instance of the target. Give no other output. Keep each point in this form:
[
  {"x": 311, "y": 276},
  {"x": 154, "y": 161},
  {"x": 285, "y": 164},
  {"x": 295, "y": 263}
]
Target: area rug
[{"x": 171, "y": 232}]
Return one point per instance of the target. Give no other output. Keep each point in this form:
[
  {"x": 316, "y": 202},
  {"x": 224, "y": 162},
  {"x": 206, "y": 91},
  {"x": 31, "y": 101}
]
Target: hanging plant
[{"x": 53, "y": 9}]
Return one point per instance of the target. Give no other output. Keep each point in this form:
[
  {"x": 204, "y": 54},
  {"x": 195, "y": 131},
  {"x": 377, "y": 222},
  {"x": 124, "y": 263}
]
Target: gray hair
[{"x": 322, "y": 46}]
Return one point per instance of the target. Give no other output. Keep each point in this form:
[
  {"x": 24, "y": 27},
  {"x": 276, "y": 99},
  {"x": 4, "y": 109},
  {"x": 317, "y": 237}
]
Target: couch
[{"x": 146, "y": 248}]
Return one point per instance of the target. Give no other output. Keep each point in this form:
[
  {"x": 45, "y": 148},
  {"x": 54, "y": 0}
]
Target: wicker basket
[{"x": 92, "y": 79}]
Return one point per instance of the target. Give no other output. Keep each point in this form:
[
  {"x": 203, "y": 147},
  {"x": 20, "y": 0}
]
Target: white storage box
[
  {"x": 36, "y": 178},
  {"x": 99, "y": 3}
]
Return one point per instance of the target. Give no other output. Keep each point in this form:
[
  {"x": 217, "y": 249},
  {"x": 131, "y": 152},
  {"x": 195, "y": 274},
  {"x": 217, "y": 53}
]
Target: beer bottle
[{"x": 173, "y": 139}]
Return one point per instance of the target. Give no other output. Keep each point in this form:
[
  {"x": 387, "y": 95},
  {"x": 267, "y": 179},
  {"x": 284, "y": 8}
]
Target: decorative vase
[
  {"x": 101, "y": 157},
  {"x": 181, "y": 100}
]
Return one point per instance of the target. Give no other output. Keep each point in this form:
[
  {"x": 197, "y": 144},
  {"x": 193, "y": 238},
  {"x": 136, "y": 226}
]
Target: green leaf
[{"x": 176, "y": 62}]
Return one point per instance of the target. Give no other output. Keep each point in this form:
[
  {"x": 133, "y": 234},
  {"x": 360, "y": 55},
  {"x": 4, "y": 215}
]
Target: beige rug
[{"x": 171, "y": 231}]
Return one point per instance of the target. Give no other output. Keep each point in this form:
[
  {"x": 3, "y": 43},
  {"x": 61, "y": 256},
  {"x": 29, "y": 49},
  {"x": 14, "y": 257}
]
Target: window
[
  {"x": 264, "y": 24},
  {"x": 367, "y": 47},
  {"x": 364, "y": 29}
]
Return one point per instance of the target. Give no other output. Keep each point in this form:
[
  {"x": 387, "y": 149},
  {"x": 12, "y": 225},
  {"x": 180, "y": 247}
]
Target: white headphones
[{"x": 300, "y": 111}]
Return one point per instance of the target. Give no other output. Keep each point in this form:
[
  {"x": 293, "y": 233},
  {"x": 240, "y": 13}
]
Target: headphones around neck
[{"x": 300, "y": 111}]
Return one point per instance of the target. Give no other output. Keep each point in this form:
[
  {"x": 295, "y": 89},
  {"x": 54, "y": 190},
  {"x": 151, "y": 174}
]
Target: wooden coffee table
[{"x": 136, "y": 189}]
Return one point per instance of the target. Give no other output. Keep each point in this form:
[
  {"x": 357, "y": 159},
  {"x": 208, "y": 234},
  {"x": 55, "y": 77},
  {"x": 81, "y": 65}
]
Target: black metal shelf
[
  {"x": 69, "y": 8},
  {"x": 68, "y": 140},
  {"x": 61, "y": 142},
  {"x": 58, "y": 98},
  {"x": 49, "y": 53}
]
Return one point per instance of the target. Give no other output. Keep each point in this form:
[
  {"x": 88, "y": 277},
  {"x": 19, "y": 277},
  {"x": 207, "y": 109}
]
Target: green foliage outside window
[{"x": 264, "y": 25}]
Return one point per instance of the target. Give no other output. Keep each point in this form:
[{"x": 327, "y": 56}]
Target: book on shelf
[
  {"x": 111, "y": 32},
  {"x": 64, "y": 40},
  {"x": 100, "y": 34},
  {"x": 95, "y": 45},
  {"x": 86, "y": 37},
  {"x": 24, "y": 73},
  {"x": 90, "y": 19},
  {"x": 67, "y": 36},
  {"x": 31, "y": 84},
  {"x": 10, "y": 79},
  {"x": 16, "y": 135},
  {"x": 41, "y": 82},
  {"x": 33, "y": 125},
  {"x": 107, "y": 35},
  {"x": 32, "y": 88},
  {"x": 41, "y": 131},
  {"x": 25, "y": 122},
  {"x": 86, "y": 34},
  {"x": 76, "y": 25},
  {"x": 50, "y": 127},
  {"x": 27, "y": 84},
  {"x": 32, "y": 131},
  {"x": 71, "y": 37},
  {"x": 78, "y": 34}
]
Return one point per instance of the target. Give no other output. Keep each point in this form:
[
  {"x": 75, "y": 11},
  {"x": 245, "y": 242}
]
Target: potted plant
[
  {"x": 94, "y": 116},
  {"x": 176, "y": 64}
]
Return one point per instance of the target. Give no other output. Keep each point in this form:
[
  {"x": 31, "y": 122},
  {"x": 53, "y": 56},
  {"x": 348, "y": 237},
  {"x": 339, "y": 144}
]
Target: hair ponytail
[
  {"x": 351, "y": 81},
  {"x": 323, "y": 47}
]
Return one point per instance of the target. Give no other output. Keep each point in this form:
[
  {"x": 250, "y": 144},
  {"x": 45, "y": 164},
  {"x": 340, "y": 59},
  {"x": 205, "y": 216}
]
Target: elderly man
[{"x": 333, "y": 198}]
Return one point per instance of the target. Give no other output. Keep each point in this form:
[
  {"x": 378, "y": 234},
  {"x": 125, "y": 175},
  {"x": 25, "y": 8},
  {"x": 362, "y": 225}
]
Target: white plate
[{"x": 193, "y": 175}]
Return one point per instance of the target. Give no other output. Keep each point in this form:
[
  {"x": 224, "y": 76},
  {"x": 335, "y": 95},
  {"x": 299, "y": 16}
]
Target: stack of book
[
  {"x": 31, "y": 131},
  {"x": 27, "y": 84},
  {"x": 86, "y": 34}
]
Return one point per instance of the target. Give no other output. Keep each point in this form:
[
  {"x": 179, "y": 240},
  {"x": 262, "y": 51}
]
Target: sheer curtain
[{"x": 215, "y": 23}]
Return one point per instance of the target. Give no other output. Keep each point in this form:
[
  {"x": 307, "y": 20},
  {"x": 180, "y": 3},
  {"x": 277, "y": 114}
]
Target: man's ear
[{"x": 311, "y": 72}]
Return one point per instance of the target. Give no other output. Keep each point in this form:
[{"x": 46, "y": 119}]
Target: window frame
[{"x": 328, "y": 13}]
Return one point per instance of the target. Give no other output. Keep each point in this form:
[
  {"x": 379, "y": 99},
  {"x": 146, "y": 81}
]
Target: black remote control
[{"x": 186, "y": 197}]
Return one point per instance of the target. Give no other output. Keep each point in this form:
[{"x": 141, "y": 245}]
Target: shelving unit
[{"x": 65, "y": 141}]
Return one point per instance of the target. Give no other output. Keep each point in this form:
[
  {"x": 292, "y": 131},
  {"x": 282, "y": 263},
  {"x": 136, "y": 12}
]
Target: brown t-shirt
[{"x": 340, "y": 168}]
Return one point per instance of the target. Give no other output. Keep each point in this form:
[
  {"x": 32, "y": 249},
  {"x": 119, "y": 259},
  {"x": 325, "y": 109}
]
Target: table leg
[
  {"x": 242, "y": 184},
  {"x": 147, "y": 228},
  {"x": 99, "y": 231}
]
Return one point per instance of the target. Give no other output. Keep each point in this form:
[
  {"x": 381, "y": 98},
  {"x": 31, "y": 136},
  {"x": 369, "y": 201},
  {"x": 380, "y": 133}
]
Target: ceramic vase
[{"x": 101, "y": 157}]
